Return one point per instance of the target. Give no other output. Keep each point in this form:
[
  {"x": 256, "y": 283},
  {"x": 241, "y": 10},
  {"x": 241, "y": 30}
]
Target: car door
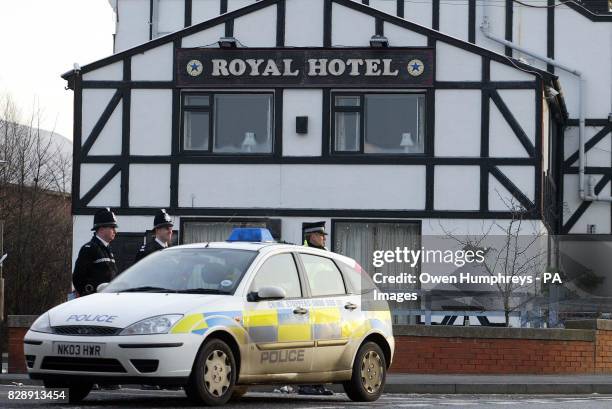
[
  {"x": 330, "y": 308},
  {"x": 279, "y": 331}
]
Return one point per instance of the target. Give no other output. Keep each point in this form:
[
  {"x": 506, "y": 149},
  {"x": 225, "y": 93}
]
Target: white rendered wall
[
  {"x": 257, "y": 29},
  {"x": 418, "y": 12},
  {"x": 598, "y": 155},
  {"x": 350, "y": 27},
  {"x": 457, "y": 188},
  {"x": 170, "y": 17},
  {"x": 401, "y": 37},
  {"x": 587, "y": 46},
  {"x": 303, "y": 186},
  {"x": 111, "y": 72},
  {"x": 302, "y": 103},
  {"x": 456, "y": 64},
  {"x": 110, "y": 195},
  {"x": 151, "y": 122},
  {"x": 149, "y": 185},
  {"x": 457, "y": 122},
  {"x": 208, "y": 37},
  {"x": 598, "y": 213},
  {"x": 389, "y": 7},
  {"x": 94, "y": 103},
  {"x": 304, "y": 23},
  {"x": 154, "y": 64},
  {"x": 454, "y": 18},
  {"x": 202, "y": 10},
  {"x": 133, "y": 24}
]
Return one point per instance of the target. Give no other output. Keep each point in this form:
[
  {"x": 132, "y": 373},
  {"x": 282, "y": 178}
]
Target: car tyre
[
  {"x": 369, "y": 374},
  {"x": 213, "y": 376},
  {"x": 76, "y": 391}
]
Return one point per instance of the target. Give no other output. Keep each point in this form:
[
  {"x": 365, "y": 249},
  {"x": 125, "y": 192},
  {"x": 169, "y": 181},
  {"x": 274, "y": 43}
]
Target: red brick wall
[
  {"x": 16, "y": 360},
  {"x": 603, "y": 348},
  {"x": 431, "y": 355}
]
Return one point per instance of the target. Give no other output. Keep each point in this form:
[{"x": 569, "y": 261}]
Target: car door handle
[
  {"x": 350, "y": 306},
  {"x": 300, "y": 311}
]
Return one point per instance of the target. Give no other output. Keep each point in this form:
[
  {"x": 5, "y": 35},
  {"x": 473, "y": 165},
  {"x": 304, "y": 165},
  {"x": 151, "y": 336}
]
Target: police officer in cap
[
  {"x": 314, "y": 235},
  {"x": 96, "y": 264},
  {"x": 162, "y": 226}
]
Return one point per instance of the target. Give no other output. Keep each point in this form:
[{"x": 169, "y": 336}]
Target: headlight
[
  {"x": 42, "y": 324},
  {"x": 154, "y": 325}
]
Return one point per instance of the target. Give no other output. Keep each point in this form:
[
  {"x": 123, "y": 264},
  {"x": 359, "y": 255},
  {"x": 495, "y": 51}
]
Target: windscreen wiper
[
  {"x": 201, "y": 291},
  {"x": 147, "y": 289}
]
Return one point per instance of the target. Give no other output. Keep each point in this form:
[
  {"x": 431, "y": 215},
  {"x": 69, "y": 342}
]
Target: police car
[{"x": 217, "y": 317}]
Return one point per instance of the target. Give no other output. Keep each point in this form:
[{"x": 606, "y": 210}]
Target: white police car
[{"x": 216, "y": 317}]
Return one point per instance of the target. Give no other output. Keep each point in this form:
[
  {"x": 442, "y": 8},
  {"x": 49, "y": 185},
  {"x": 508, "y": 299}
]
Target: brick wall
[
  {"x": 584, "y": 347},
  {"x": 16, "y": 360},
  {"x": 492, "y": 356},
  {"x": 17, "y": 325}
]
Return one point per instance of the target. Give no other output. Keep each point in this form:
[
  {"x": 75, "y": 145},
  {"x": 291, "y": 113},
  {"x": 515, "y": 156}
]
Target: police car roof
[
  {"x": 239, "y": 245},
  {"x": 264, "y": 246}
]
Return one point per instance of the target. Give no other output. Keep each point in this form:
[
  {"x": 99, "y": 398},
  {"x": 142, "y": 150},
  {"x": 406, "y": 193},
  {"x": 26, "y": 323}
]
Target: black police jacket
[
  {"x": 146, "y": 249},
  {"x": 94, "y": 265}
]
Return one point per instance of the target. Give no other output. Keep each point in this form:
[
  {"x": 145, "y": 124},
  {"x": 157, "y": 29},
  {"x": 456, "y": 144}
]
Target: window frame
[
  {"x": 211, "y": 123},
  {"x": 333, "y": 109},
  {"x": 302, "y": 270}
]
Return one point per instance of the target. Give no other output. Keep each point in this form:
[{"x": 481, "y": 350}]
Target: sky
[{"x": 42, "y": 39}]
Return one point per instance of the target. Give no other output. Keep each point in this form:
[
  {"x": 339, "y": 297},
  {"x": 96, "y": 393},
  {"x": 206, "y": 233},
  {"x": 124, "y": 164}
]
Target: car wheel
[
  {"x": 369, "y": 374},
  {"x": 76, "y": 391},
  {"x": 214, "y": 374}
]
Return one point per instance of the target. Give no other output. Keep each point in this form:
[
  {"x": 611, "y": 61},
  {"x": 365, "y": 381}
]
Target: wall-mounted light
[
  {"x": 228, "y": 42},
  {"x": 301, "y": 125},
  {"x": 379, "y": 41}
]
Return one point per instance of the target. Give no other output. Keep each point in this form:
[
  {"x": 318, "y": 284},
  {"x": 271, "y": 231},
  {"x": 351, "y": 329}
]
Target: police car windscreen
[{"x": 207, "y": 270}]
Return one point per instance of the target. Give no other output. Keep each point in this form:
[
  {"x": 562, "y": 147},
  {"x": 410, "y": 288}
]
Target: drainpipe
[{"x": 586, "y": 196}]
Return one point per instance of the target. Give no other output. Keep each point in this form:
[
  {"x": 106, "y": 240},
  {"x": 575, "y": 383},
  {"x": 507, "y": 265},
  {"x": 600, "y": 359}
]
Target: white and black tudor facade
[{"x": 307, "y": 119}]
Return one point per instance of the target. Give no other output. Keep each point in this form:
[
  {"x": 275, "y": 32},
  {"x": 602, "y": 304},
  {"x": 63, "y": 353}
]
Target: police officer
[
  {"x": 314, "y": 235},
  {"x": 96, "y": 263},
  {"x": 162, "y": 226}
]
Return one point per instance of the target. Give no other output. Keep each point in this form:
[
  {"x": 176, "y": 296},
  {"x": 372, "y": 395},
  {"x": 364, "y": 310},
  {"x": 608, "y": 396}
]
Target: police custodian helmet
[
  {"x": 104, "y": 218},
  {"x": 162, "y": 219}
]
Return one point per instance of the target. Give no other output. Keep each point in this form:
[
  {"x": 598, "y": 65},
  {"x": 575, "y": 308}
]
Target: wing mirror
[
  {"x": 268, "y": 293},
  {"x": 101, "y": 287}
]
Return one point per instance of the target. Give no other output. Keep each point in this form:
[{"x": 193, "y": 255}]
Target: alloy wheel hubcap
[
  {"x": 371, "y": 371},
  {"x": 217, "y": 373}
]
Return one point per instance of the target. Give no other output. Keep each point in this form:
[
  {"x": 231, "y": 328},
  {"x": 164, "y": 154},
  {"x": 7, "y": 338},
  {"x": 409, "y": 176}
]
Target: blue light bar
[{"x": 251, "y": 234}]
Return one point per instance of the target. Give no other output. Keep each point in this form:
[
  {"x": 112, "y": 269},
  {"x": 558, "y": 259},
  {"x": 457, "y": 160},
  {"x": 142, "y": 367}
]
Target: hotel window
[
  {"x": 378, "y": 123},
  {"x": 227, "y": 123}
]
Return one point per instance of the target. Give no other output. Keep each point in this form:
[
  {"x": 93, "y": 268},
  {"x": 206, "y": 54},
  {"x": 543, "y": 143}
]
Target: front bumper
[{"x": 149, "y": 359}]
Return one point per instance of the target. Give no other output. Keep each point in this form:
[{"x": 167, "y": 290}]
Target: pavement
[{"x": 455, "y": 384}]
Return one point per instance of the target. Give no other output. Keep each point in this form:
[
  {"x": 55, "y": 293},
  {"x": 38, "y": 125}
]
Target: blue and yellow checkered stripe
[{"x": 282, "y": 325}]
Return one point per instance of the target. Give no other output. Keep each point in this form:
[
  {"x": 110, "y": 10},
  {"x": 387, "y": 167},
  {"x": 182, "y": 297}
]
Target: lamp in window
[
  {"x": 406, "y": 141},
  {"x": 249, "y": 141}
]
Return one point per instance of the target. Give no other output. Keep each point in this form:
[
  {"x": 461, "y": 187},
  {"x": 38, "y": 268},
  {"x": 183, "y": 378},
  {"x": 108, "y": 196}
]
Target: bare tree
[
  {"x": 35, "y": 207},
  {"x": 512, "y": 250}
]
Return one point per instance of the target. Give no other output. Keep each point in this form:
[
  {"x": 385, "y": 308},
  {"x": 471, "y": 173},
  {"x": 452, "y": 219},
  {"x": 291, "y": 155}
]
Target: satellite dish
[{"x": 2, "y": 259}]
